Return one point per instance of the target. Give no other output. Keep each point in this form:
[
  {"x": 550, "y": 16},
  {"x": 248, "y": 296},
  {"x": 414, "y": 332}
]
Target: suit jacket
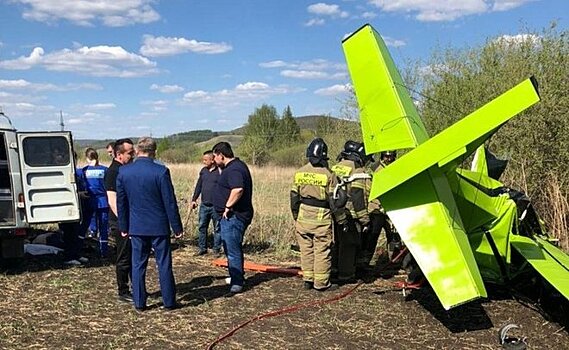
[{"x": 146, "y": 202}]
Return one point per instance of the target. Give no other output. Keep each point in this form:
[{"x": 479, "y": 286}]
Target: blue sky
[{"x": 156, "y": 67}]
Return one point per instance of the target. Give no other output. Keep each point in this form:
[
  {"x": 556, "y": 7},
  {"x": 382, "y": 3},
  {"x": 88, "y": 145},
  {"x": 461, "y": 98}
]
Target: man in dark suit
[{"x": 147, "y": 210}]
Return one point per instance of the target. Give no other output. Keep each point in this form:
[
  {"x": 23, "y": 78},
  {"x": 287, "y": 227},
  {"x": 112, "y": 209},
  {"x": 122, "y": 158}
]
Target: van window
[{"x": 46, "y": 151}]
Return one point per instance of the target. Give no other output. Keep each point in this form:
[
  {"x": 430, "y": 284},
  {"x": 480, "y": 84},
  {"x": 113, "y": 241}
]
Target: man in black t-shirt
[
  {"x": 124, "y": 152},
  {"x": 233, "y": 201},
  {"x": 206, "y": 187}
]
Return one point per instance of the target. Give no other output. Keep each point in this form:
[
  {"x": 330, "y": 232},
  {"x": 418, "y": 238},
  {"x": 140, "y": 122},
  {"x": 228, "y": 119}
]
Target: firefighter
[
  {"x": 351, "y": 171},
  {"x": 379, "y": 219},
  {"x": 312, "y": 206}
]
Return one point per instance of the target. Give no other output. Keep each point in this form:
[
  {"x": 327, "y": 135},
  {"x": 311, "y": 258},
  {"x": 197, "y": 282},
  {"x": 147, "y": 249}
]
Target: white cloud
[
  {"x": 20, "y": 84},
  {"x": 323, "y": 9},
  {"x": 195, "y": 95},
  {"x": 433, "y": 70},
  {"x": 334, "y": 90},
  {"x": 75, "y": 121},
  {"x": 100, "y": 61},
  {"x": 518, "y": 39},
  {"x": 315, "y": 22},
  {"x": 445, "y": 10},
  {"x": 16, "y": 105},
  {"x": 393, "y": 42},
  {"x": 252, "y": 86},
  {"x": 249, "y": 91},
  {"x": 166, "y": 89},
  {"x": 505, "y": 5},
  {"x": 113, "y": 13},
  {"x": 369, "y": 15},
  {"x": 308, "y": 74},
  {"x": 100, "y": 106},
  {"x": 315, "y": 64},
  {"x": 273, "y": 64},
  {"x": 313, "y": 69},
  {"x": 168, "y": 46},
  {"x": 157, "y": 105},
  {"x": 304, "y": 74}
]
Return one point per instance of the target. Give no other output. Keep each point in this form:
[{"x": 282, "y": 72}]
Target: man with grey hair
[{"x": 147, "y": 211}]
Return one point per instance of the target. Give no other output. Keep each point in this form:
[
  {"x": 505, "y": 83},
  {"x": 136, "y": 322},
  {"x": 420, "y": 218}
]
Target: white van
[{"x": 37, "y": 183}]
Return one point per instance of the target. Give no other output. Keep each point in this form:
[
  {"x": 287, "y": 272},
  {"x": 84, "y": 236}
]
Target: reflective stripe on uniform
[
  {"x": 303, "y": 178},
  {"x": 319, "y": 220},
  {"x": 342, "y": 170},
  {"x": 321, "y": 277},
  {"x": 358, "y": 214},
  {"x": 308, "y": 275},
  {"x": 359, "y": 184}
]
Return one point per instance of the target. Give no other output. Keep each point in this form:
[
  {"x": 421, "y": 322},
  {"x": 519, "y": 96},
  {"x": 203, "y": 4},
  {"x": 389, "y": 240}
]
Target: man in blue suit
[{"x": 147, "y": 210}]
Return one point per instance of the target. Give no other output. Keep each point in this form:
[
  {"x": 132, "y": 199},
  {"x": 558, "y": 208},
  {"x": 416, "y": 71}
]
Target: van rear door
[{"x": 48, "y": 177}]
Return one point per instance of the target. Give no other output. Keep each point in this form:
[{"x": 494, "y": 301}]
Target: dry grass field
[
  {"x": 272, "y": 226},
  {"x": 46, "y": 305}
]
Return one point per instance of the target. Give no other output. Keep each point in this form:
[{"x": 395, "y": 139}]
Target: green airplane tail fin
[{"x": 388, "y": 117}]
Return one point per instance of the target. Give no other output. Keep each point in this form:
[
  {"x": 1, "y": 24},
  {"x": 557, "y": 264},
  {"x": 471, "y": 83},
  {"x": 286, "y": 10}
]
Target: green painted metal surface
[
  {"x": 479, "y": 162},
  {"x": 388, "y": 117},
  {"x": 451, "y": 146},
  {"x": 547, "y": 259},
  {"x": 426, "y": 217},
  {"x": 431, "y": 204}
]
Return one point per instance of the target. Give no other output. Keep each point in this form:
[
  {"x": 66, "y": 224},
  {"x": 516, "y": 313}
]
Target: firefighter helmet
[
  {"x": 355, "y": 151},
  {"x": 388, "y": 155},
  {"x": 317, "y": 149}
]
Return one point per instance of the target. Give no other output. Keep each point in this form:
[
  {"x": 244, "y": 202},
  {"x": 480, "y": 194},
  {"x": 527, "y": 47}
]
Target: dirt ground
[{"x": 46, "y": 305}]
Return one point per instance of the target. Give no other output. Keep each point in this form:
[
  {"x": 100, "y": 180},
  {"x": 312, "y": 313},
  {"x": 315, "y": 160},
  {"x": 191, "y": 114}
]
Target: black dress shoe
[
  {"x": 171, "y": 308},
  {"x": 125, "y": 298},
  {"x": 307, "y": 285},
  {"x": 330, "y": 288},
  {"x": 201, "y": 252},
  {"x": 140, "y": 309}
]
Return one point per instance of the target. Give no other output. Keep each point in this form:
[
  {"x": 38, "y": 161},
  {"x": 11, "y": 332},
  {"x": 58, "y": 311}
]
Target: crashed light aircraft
[{"x": 463, "y": 227}]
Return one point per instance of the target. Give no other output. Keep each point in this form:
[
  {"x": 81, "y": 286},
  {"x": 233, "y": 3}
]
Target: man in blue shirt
[
  {"x": 233, "y": 201},
  {"x": 206, "y": 186},
  {"x": 94, "y": 174},
  {"x": 147, "y": 209}
]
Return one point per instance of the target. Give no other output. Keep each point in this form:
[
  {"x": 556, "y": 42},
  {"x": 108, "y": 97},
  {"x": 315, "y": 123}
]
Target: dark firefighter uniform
[
  {"x": 312, "y": 209},
  {"x": 356, "y": 210},
  {"x": 379, "y": 220}
]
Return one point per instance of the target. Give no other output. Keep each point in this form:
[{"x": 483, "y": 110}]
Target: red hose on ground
[
  {"x": 293, "y": 271},
  {"x": 281, "y": 312},
  {"x": 262, "y": 268}
]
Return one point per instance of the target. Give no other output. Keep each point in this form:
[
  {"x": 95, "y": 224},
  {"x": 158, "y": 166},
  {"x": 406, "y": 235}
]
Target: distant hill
[
  {"x": 234, "y": 140},
  {"x": 207, "y": 138},
  {"x": 97, "y": 144},
  {"x": 308, "y": 122}
]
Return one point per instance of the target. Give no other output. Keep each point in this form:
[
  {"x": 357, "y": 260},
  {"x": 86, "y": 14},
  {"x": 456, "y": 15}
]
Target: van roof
[{"x": 5, "y": 122}]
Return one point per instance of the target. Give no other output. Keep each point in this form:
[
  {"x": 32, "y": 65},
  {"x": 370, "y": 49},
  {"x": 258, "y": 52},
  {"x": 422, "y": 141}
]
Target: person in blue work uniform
[
  {"x": 233, "y": 201},
  {"x": 206, "y": 186},
  {"x": 147, "y": 210},
  {"x": 94, "y": 174}
]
